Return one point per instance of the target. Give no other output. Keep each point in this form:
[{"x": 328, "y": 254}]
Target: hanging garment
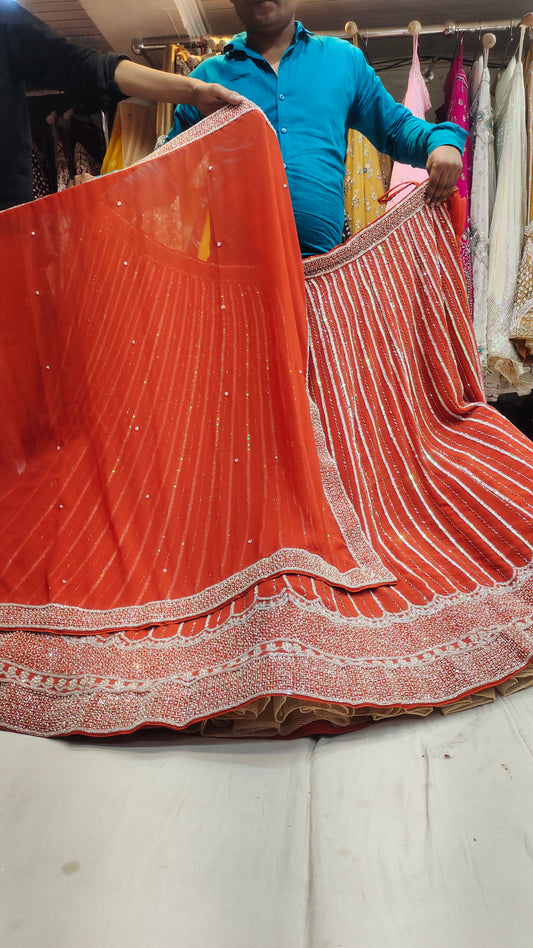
[
  {"x": 65, "y": 167},
  {"x": 210, "y": 510},
  {"x": 481, "y": 201},
  {"x": 133, "y": 135},
  {"x": 41, "y": 186},
  {"x": 113, "y": 158},
  {"x": 521, "y": 330},
  {"x": 507, "y": 226},
  {"x": 79, "y": 147},
  {"x": 418, "y": 101},
  {"x": 175, "y": 60},
  {"x": 457, "y": 110},
  {"x": 43, "y": 146},
  {"x": 366, "y": 180}
]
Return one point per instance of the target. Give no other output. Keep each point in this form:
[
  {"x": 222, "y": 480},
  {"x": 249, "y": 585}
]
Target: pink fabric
[
  {"x": 456, "y": 110},
  {"x": 418, "y": 102}
]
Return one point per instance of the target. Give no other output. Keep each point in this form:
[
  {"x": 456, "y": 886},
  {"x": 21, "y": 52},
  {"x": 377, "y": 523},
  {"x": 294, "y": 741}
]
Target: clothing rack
[
  {"x": 202, "y": 44},
  {"x": 141, "y": 47},
  {"x": 449, "y": 28}
]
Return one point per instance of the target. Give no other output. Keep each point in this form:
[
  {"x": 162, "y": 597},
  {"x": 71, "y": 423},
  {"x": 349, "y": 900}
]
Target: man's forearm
[{"x": 134, "y": 79}]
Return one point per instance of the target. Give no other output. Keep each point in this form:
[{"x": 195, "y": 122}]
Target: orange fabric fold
[{"x": 158, "y": 455}]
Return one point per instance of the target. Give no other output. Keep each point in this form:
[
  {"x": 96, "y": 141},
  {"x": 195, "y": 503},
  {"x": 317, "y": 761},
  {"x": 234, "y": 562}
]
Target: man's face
[{"x": 266, "y": 16}]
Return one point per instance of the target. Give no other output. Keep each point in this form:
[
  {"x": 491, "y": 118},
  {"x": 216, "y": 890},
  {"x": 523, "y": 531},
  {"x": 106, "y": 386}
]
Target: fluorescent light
[{"x": 192, "y": 17}]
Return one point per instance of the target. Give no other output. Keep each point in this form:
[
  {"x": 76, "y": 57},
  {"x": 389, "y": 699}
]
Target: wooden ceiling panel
[{"x": 68, "y": 18}]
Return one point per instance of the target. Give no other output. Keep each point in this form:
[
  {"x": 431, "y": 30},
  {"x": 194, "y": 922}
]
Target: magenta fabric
[{"x": 456, "y": 109}]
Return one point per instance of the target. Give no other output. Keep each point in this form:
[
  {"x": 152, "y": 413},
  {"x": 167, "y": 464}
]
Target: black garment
[{"x": 32, "y": 56}]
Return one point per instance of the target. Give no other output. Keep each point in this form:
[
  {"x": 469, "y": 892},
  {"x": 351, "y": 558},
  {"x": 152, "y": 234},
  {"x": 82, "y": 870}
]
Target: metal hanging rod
[
  {"x": 449, "y": 28},
  {"x": 142, "y": 46}
]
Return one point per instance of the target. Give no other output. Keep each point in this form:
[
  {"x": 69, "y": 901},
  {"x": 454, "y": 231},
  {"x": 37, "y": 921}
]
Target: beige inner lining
[{"x": 280, "y": 716}]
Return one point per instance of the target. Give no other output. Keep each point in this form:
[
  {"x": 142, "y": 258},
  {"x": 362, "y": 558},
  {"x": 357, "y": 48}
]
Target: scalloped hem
[{"x": 279, "y": 716}]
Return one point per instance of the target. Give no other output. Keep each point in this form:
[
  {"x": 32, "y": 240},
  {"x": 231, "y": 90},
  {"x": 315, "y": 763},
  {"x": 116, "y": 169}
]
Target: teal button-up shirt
[{"x": 323, "y": 87}]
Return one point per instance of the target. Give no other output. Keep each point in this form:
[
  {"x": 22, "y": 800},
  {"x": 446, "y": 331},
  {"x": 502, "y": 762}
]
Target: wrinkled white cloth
[
  {"x": 507, "y": 227},
  {"x": 522, "y": 320},
  {"x": 482, "y": 194},
  {"x": 407, "y": 834}
]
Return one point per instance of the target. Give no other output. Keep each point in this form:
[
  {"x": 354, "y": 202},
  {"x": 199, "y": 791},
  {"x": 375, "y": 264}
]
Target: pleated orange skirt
[{"x": 240, "y": 495}]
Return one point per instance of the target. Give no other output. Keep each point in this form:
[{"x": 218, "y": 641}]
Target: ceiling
[
  {"x": 118, "y": 21},
  {"x": 69, "y": 18},
  {"x": 113, "y": 24}
]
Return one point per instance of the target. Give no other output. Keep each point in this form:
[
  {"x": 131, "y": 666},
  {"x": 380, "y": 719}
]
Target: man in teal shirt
[{"x": 313, "y": 89}]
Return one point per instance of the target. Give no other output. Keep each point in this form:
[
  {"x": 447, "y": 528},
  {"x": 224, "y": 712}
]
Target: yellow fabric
[
  {"x": 133, "y": 135},
  {"x": 113, "y": 160},
  {"x": 204, "y": 249},
  {"x": 367, "y": 176},
  {"x": 366, "y": 179}
]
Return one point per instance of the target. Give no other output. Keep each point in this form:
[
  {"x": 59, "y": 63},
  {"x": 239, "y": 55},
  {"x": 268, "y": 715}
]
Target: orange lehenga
[{"x": 240, "y": 495}]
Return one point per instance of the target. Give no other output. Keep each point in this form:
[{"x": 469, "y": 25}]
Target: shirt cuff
[{"x": 447, "y": 133}]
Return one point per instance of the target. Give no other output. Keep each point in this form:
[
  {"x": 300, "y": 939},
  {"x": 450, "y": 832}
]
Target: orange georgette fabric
[{"x": 221, "y": 481}]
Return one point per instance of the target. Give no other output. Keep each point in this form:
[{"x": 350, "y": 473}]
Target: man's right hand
[{"x": 207, "y": 97}]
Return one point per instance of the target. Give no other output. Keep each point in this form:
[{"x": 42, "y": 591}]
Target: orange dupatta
[{"x": 158, "y": 455}]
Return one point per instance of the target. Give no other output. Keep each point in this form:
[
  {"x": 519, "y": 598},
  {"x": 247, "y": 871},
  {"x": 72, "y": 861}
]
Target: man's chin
[
  {"x": 265, "y": 11},
  {"x": 265, "y": 15}
]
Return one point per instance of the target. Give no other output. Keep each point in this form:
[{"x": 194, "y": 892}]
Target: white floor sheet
[{"x": 415, "y": 833}]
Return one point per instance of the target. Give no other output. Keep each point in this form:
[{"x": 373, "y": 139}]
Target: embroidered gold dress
[{"x": 366, "y": 180}]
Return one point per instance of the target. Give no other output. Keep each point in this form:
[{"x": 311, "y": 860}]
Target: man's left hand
[{"x": 444, "y": 166}]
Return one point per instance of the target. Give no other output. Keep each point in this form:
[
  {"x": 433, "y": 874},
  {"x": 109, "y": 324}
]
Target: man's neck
[{"x": 271, "y": 46}]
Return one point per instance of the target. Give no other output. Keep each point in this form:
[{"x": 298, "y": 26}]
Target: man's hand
[
  {"x": 158, "y": 86},
  {"x": 207, "y": 97},
  {"x": 444, "y": 166},
  {"x": 84, "y": 177}
]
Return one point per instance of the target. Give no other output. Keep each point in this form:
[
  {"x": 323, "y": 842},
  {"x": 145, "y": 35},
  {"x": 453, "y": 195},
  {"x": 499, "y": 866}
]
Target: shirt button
[
  {"x": 282, "y": 97},
  {"x": 283, "y": 131}
]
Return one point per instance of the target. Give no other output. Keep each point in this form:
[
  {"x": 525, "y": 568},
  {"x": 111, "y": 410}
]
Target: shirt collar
[{"x": 238, "y": 45}]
